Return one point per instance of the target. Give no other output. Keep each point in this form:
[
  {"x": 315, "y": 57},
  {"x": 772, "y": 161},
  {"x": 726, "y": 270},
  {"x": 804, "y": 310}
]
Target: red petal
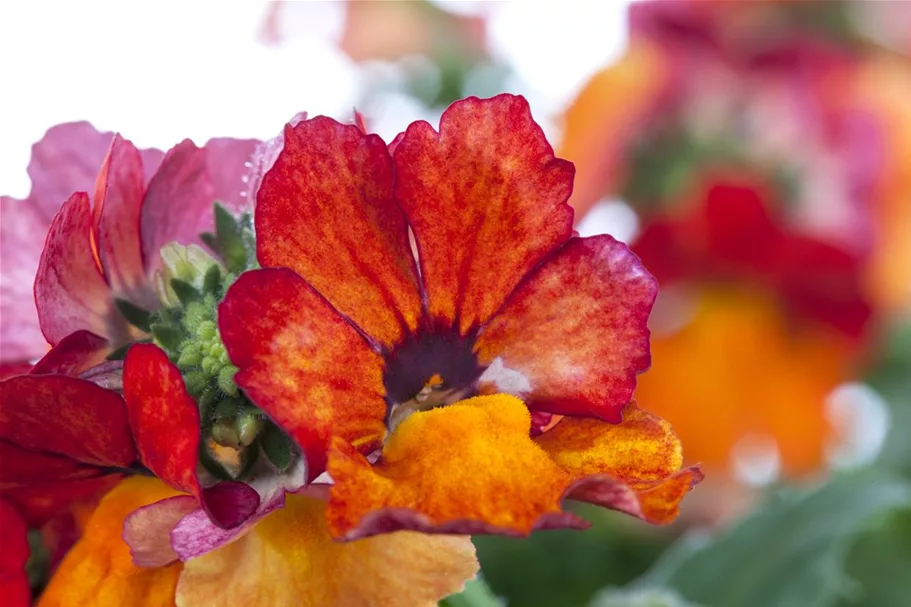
[
  {"x": 75, "y": 353},
  {"x": 70, "y": 292},
  {"x": 40, "y": 503},
  {"x": 178, "y": 203},
  {"x": 66, "y": 160},
  {"x": 118, "y": 198},
  {"x": 14, "y": 586},
  {"x": 302, "y": 363},
  {"x": 22, "y": 231},
  {"x": 66, "y": 416},
  {"x": 23, "y": 467},
  {"x": 165, "y": 421},
  {"x": 486, "y": 199},
  {"x": 574, "y": 335},
  {"x": 325, "y": 210}
]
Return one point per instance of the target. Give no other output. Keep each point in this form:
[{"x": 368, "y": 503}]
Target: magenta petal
[
  {"x": 74, "y": 354},
  {"x": 147, "y": 531},
  {"x": 230, "y": 163},
  {"x": 70, "y": 292},
  {"x": 230, "y": 503},
  {"x": 178, "y": 202},
  {"x": 22, "y": 232},
  {"x": 66, "y": 160}
]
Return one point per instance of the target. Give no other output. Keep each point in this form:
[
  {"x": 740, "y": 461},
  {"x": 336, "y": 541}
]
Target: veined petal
[
  {"x": 325, "y": 210},
  {"x": 633, "y": 466},
  {"x": 289, "y": 559},
  {"x": 14, "y": 586},
  {"x": 302, "y": 363},
  {"x": 73, "y": 354},
  {"x": 178, "y": 202},
  {"x": 22, "y": 232},
  {"x": 486, "y": 199},
  {"x": 70, "y": 292},
  {"x": 165, "y": 422},
  {"x": 71, "y": 417},
  {"x": 99, "y": 572},
  {"x": 66, "y": 160},
  {"x": 464, "y": 468},
  {"x": 118, "y": 199},
  {"x": 574, "y": 335}
]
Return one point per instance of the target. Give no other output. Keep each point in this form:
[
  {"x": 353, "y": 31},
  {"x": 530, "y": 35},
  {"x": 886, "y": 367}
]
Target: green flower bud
[{"x": 186, "y": 263}]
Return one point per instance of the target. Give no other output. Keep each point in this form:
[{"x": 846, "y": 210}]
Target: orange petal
[
  {"x": 574, "y": 335},
  {"x": 289, "y": 559},
  {"x": 641, "y": 456},
  {"x": 606, "y": 114},
  {"x": 463, "y": 468},
  {"x": 325, "y": 210},
  {"x": 302, "y": 363},
  {"x": 486, "y": 199},
  {"x": 99, "y": 572},
  {"x": 741, "y": 370}
]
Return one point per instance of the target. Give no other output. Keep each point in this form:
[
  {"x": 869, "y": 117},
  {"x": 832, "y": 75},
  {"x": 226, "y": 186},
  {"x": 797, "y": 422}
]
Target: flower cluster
[{"x": 313, "y": 394}]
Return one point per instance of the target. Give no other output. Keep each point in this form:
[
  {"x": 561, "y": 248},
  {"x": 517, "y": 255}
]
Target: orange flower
[{"x": 370, "y": 363}]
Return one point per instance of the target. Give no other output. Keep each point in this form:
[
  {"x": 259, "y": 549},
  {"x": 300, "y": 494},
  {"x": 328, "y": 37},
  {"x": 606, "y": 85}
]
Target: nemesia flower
[
  {"x": 430, "y": 381},
  {"x": 778, "y": 316}
]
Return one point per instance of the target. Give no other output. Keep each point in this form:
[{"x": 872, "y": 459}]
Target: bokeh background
[{"x": 756, "y": 155}]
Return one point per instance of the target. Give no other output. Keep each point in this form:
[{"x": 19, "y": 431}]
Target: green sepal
[
  {"x": 229, "y": 240},
  {"x": 167, "y": 336},
  {"x": 135, "y": 315},
  {"x": 185, "y": 292},
  {"x": 278, "y": 446},
  {"x": 211, "y": 282},
  {"x": 249, "y": 457},
  {"x": 228, "y": 408},
  {"x": 210, "y": 240}
]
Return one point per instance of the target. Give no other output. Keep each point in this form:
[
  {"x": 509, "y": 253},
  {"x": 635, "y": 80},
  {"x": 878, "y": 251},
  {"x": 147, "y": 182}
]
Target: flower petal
[
  {"x": 66, "y": 160},
  {"x": 62, "y": 415},
  {"x": 75, "y": 353},
  {"x": 23, "y": 467},
  {"x": 464, "y": 468},
  {"x": 14, "y": 586},
  {"x": 178, "y": 202},
  {"x": 229, "y": 163},
  {"x": 41, "y": 503},
  {"x": 22, "y": 232},
  {"x": 98, "y": 571},
  {"x": 70, "y": 291},
  {"x": 147, "y": 530},
  {"x": 325, "y": 210},
  {"x": 575, "y": 332},
  {"x": 486, "y": 199},
  {"x": 289, "y": 559},
  {"x": 638, "y": 461},
  {"x": 302, "y": 363},
  {"x": 165, "y": 422},
  {"x": 118, "y": 199}
]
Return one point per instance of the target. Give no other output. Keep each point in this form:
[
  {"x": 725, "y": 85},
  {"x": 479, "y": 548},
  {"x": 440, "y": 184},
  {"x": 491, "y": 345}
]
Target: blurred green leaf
[
  {"x": 880, "y": 563},
  {"x": 566, "y": 568},
  {"x": 891, "y": 378},
  {"x": 650, "y": 597},
  {"x": 476, "y": 594},
  {"x": 789, "y": 553}
]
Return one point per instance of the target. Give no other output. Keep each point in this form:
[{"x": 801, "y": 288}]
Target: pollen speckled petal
[
  {"x": 289, "y": 560},
  {"x": 574, "y": 335},
  {"x": 486, "y": 199},
  {"x": 302, "y": 363},
  {"x": 325, "y": 210},
  {"x": 464, "y": 468}
]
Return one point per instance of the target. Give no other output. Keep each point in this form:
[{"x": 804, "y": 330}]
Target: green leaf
[
  {"x": 892, "y": 380},
  {"x": 789, "y": 553},
  {"x": 136, "y": 316},
  {"x": 185, "y": 292},
  {"x": 278, "y": 447},
  {"x": 476, "y": 594},
  {"x": 167, "y": 336},
  {"x": 880, "y": 563},
  {"x": 650, "y": 597}
]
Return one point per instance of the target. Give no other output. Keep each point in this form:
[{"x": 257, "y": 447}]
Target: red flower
[{"x": 355, "y": 339}]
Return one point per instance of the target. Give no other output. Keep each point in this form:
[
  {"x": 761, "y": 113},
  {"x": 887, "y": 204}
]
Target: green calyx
[{"x": 190, "y": 285}]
